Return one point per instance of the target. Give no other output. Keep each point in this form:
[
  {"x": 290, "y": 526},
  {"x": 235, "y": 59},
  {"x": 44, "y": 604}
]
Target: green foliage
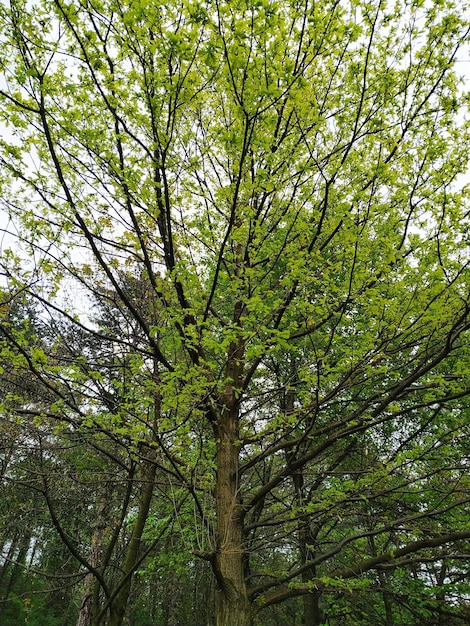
[{"x": 234, "y": 318}]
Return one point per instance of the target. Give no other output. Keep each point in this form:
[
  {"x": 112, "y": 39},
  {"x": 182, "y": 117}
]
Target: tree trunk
[
  {"x": 311, "y": 601},
  {"x": 312, "y": 615},
  {"x": 383, "y": 579},
  {"x": 7, "y": 564},
  {"x": 14, "y": 566},
  {"x": 440, "y": 595},
  {"x": 232, "y": 604},
  {"x": 119, "y": 604},
  {"x": 85, "y": 615},
  {"x": 172, "y": 601},
  {"x": 389, "y": 619}
]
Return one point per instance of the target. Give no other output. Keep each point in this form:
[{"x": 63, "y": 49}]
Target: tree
[
  {"x": 283, "y": 182},
  {"x": 95, "y": 489}
]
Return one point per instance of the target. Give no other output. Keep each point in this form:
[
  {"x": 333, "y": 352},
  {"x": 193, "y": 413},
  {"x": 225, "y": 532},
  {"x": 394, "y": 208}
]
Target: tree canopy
[{"x": 235, "y": 310}]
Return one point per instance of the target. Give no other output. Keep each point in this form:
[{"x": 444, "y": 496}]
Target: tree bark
[
  {"x": 14, "y": 565},
  {"x": 117, "y": 608},
  {"x": 119, "y": 604},
  {"x": 389, "y": 619},
  {"x": 232, "y": 604},
  {"x": 311, "y": 601},
  {"x": 312, "y": 615},
  {"x": 85, "y": 615}
]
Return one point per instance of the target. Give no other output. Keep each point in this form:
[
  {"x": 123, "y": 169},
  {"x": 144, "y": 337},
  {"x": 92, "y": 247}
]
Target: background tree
[{"x": 282, "y": 181}]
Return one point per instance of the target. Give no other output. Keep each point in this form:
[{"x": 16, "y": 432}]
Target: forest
[{"x": 234, "y": 313}]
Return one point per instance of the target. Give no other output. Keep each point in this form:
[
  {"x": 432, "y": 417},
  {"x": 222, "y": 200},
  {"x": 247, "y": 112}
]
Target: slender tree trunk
[
  {"x": 172, "y": 601},
  {"x": 8, "y": 563},
  {"x": 14, "y": 566},
  {"x": 85, "y": 615},
  {"x": 117, "y": 608},
  {"x": 312, "y": 615},
  {"x": 311, "y": 601},
  {"x": 389, "y": 619},
  {"x": 119, "y": 604},
  {"x": 440, "y": 595},
  {"x": 383, "y": 578},
  {"x": 210, "y": 610}
]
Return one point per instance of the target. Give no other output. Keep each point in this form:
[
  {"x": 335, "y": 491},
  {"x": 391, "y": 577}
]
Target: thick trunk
[
  {"x": 232, "y": 612},
  {"x": 232, "y": 604}
]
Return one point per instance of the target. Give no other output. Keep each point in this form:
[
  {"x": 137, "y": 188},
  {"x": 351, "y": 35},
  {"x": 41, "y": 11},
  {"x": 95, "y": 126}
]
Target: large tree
[{"x": 269, "y": 194}]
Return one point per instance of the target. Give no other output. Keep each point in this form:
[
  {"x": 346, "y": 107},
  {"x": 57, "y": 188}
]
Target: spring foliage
[{"x": 245, "y": 227}]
